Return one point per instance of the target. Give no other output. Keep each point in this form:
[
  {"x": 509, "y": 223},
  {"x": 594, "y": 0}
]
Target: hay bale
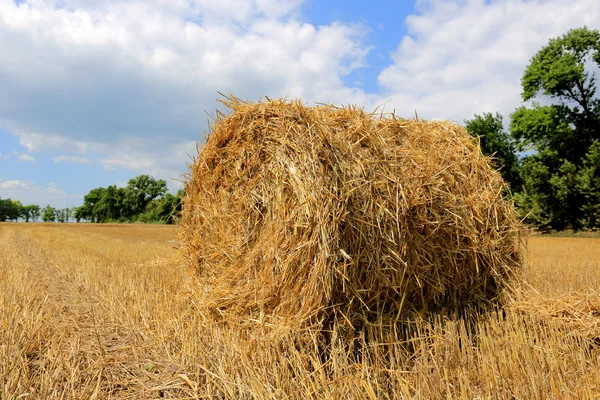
[{"x": 306, "y": 213}]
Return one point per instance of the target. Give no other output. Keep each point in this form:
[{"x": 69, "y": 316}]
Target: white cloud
[
  {"x": 54, "y": 192},
  {"x": 465, "y": 57},
  {"x": 127, "y": 161},
  {"x": 97, "y": 71},
  {"x": 28, "y": 192},
  {"x": 73, "y": 159},
  {"x": 129, "y": 80},
  {"x": 160, "y": 159},
  {"x": 26, "y": 157},
  {"x": 18, "y": 156},
  {"x": 15, "y": 185},
  {"x": 38, "y": 142}
]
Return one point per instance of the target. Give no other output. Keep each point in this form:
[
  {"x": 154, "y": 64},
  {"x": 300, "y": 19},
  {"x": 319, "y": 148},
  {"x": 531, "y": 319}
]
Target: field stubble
[{"x": 108, "y": 312}]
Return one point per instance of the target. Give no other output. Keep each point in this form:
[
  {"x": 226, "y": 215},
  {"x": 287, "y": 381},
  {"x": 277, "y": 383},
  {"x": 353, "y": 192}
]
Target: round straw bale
[{"x": 304, "y": 213}]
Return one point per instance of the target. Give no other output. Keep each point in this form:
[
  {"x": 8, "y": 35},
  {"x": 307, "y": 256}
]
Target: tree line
[
  {"x": 144, "y": 199},
  {"x": 13, "y": 210}
]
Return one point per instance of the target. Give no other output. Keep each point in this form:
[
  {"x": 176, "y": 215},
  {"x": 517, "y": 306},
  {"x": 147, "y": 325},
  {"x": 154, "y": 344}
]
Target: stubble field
[{"x": 108, "y": 312}]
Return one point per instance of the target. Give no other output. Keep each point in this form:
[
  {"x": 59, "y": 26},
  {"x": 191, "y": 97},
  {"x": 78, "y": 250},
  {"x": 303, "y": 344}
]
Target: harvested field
[{"x": 106, "y": 312}]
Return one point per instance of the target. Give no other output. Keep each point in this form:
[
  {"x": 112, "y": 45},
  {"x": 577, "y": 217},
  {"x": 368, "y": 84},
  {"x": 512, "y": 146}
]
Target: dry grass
[{"x": 105, "y": 312}]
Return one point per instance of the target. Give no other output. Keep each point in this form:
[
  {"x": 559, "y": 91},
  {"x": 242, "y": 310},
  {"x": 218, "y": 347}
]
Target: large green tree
[
  {"x": 494, "y": 141},
  {"x": 111, "y": 206},
  {"x": 10, "y": 210},
  {"x": 89, "y": 209},
  {"x": 558, "y": 130},
  {"x": 141, "y": 190}
]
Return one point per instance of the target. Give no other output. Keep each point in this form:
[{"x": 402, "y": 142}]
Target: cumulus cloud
[
  {"x": 465, "y": 57},
  {"x": 54, "y": 192},
  {"x": 128, "y": 161},
  {"x": 96, "y": 71},
  {"x": 130, "y": 80},
  {"x": 18, "y": 156},
  {"x": 73, "y": 159},
  {"x": 26, "y": 157},
  {"x": 15, "y": 184},
  {"x": 157, "y": 157},
  {"x": 38, "y": 142},
  {"x": 28, "y": 192}
]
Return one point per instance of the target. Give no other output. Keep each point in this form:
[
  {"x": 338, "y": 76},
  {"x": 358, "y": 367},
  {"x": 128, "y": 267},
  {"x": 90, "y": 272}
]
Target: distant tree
[
  {"x": 494, "y": 141},
  {"x": 17, "y": 210},
  {"x": 181, "y": 194},
  {"x": 141, "y": 190},
  {"x": 34, "y": 212},
  {"x": 144, "y": 199},
  {"x": 25, "y": 213},
  {"x": 79, "y": 213},
  {"x": 559, "y": 178},
  {"x": 88, "y": 209},
  {"x": 163, "y": 210},
  {"x": 112, "y": 205},
  {"x": 31, "y": 212},
  {"x": 10, "y": 210},
  {"x": 62, "y": 215},
  {"x": 73, "y": 211},
  {"x": 4, "y": 207},
  {"x": 48, "y": 214}
]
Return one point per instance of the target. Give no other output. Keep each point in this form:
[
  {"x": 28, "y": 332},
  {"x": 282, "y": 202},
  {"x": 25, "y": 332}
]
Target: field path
[{"x": 100, "y": 347}]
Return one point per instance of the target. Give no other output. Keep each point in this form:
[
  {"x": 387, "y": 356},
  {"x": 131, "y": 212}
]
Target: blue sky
[
  {"x": 96, "y": 93},
  {"x": 383, "y": 21}
]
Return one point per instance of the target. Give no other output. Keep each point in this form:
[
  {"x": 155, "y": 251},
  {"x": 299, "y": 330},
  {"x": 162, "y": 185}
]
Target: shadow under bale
[{"x": 303, "y": 216}]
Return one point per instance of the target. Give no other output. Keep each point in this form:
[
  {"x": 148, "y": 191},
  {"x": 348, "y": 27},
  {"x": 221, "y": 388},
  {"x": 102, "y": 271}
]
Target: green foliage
[
  {"x": 588, "y": 185},
  {"x": 13, "y": 210},
  {"x": 163, "y": 210},
  {"x": 560, "y": 181},
  {"x": 63, "y": 215},
  {"x": 497, "y": 143},
  {"x": 10, "y": 210},
  {"x": 145, "y": 199},
  {"x": 88, "y": 210},
  {"x": 49, "y": 214},
  {"x": 558, "y": 69},
  {"x": 110, "y": 206},
  {"x": 79, "y": 213},
  {"x": 541, "y": 128},
  {"x": 31, "y": 212},
  {"x": 141, "y": 191}
]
